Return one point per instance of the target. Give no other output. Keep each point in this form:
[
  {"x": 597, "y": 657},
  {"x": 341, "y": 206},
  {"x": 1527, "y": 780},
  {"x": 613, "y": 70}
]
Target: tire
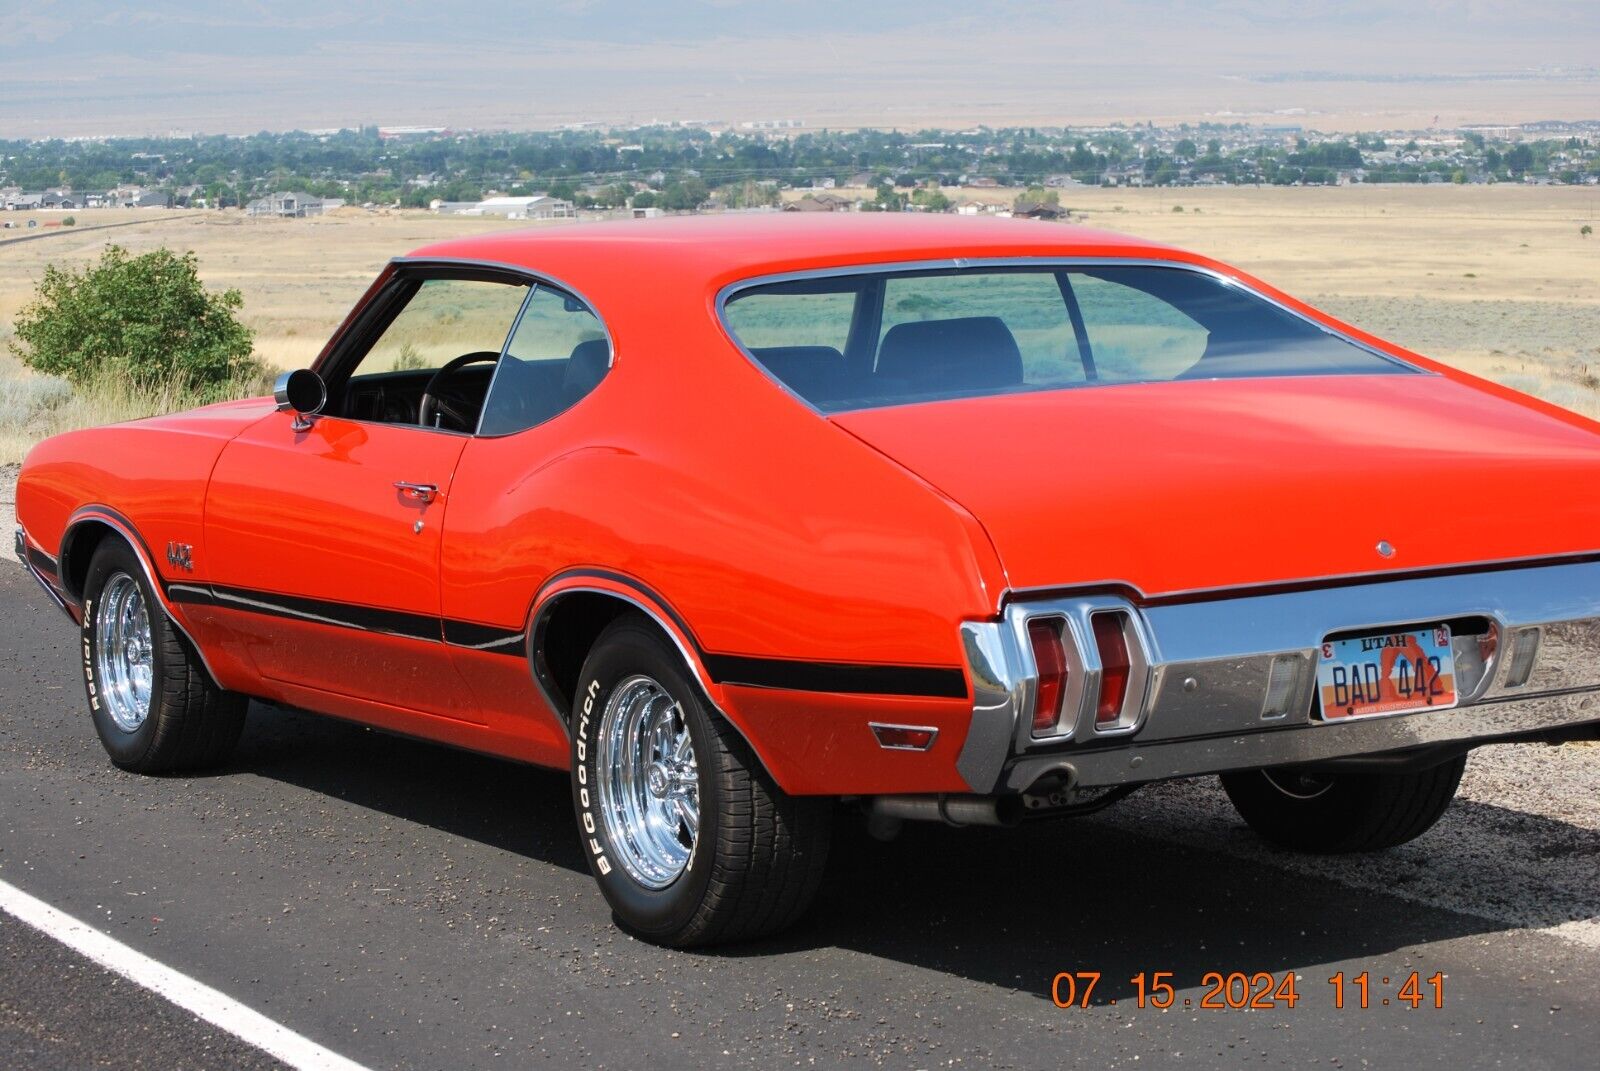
[
  {"x": 152, "y": 701},
  {"x": 1345, "y": 812},
  {"x": 755, "y": 857}
]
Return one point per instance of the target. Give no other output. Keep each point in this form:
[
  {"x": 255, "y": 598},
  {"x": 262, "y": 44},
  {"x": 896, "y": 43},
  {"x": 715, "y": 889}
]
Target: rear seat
[
  {"x": 815, "y": 372},
  {"x": 964, "y": 353}
]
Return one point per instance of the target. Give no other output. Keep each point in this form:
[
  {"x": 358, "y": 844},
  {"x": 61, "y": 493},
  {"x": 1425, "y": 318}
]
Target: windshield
[{"x": 868, "y": 339}]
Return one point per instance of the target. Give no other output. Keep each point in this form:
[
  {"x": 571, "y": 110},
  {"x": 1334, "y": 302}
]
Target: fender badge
[
  {"x": 180, "y": 556},
  {"x": 1385, "y": 548}
]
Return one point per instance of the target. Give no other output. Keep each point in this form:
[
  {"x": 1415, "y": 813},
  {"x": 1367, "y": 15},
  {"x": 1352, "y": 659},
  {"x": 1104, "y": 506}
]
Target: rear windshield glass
[{"x": 873, "y": 339}]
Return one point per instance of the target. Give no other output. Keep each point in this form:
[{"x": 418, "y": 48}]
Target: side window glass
[
  {"x": 444, "y": 320},
  {"x": 557, "y": 353},
  {"x": 1136, "y": 335}
]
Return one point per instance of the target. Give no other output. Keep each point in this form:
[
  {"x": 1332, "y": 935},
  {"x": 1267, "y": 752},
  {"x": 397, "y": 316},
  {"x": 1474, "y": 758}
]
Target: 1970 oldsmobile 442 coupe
[{"x": 952, "y": 519}]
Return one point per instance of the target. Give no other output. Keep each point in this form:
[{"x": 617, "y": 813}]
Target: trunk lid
[{"x": 1187, "y": 486}]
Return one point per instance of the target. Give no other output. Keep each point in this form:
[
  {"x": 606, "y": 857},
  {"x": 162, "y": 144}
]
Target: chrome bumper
[{"x": 1208, "y": 663}]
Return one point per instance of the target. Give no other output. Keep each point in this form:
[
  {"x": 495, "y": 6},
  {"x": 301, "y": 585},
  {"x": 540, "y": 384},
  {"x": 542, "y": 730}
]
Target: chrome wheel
[
  {"x": 123, "y": 655},
  {"x": 649, "y": 781}
]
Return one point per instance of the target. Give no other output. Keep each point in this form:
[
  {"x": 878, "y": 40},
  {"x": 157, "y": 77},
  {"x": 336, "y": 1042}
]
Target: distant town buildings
[
  {"x": 291, "y": 205},
  {"x": 16, "y": 199},
  {"x": 534, "y": 206}
]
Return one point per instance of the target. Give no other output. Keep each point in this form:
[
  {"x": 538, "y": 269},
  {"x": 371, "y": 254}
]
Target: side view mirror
[{"x": 302, "y": 391}]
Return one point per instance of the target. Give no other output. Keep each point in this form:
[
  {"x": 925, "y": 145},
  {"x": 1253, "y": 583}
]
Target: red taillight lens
[
  {"x": 1051, "y": 661},
  {"x": 1112, "y": 643}
]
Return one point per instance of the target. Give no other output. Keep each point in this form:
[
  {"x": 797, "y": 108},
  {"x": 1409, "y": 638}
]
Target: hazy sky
[{"x": 87, "y": 66}]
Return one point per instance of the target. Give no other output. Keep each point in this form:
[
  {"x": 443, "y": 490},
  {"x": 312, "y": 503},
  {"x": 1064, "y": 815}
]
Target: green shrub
[
  {"x": 70, "y": 221},
  {"x": 147, "y": 320}
]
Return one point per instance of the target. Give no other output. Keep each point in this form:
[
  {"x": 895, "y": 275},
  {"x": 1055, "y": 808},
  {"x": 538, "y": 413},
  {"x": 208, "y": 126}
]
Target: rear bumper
[{"x": 1209, "y": 661}]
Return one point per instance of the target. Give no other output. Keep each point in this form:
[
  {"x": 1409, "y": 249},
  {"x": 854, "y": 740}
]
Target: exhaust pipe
[{"x": 884, "y": 812}]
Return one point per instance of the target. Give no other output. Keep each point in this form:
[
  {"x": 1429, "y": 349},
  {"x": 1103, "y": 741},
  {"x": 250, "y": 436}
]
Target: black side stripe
[
  {"x": 789, "y": 675},
  {"x": 839, "y": 677},
  {"x": 835, "y": 678},
  {"x": 487, "y": 638},
  {"x": 320, "y": 611}
]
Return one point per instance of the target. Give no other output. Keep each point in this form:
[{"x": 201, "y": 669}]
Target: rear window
[{"x": 871, "y": 339}]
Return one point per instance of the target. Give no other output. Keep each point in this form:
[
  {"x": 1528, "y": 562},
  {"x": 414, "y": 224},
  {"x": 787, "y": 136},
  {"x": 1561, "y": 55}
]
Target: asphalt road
[{"x": 414, "y": 907}]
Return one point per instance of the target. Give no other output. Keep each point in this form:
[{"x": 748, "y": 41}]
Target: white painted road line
[{"x": 218, "y": 1009}]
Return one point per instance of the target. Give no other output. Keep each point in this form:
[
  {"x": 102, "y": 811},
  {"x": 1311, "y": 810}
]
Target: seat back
[
  {"x": 816, "y": 372},
  {"x": 964, "y": 353}
]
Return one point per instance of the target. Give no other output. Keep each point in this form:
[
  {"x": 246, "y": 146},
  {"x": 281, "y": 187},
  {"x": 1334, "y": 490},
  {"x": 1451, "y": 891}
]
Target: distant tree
[
  {"x": 1585, "y": 230},
  {"x": 1186, "y": 149},
  {"x": 645, "y": 199},
  {"x": 70, "y": 221},
  {"x": 748, "y": 194},
  {"x": 888, "y": 200},
  {"x": 1213, "y": 147},
  {"x": 1036, "y": 197},
  {"x": 564, "y": 190},
  {"x": 1492, "y": 160},
  {"x": 684, "y": 196},
  {"x": 148, "y": 319},
  {"x": 930, "y": 198},
  {"x": 1519, "y": 159}
]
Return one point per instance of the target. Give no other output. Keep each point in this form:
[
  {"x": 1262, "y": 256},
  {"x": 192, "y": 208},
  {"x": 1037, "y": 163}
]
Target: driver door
[{"x": 322, "y": 543}]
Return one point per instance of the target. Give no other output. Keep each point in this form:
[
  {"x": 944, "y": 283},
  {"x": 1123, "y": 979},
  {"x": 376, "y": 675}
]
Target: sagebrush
[{"x": 147, "y": 320}]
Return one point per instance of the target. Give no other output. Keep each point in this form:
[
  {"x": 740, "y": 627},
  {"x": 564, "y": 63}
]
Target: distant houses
[
  {"x": 533, "y": 206},
  {"x": 15, "y": 199},
  {"x": 291, "y": 205}
]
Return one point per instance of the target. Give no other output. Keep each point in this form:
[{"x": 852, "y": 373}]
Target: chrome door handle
[{"x": 421, "y": 492}]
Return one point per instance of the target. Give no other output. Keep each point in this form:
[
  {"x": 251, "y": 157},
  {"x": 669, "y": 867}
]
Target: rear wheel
[
  {"x": 153, "y": 703},
  {"x": 690, "y": 840},
  {"x": 1311, "y": 811}
]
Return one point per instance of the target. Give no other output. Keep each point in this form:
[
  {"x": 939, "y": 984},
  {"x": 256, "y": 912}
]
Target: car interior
[
  {"x": 527, "y": 392},
  {"x": 1127, "y": 324}
]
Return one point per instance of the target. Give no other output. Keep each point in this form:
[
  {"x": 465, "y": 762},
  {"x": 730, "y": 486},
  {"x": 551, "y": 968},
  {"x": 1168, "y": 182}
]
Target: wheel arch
[
  {"x": 576, "y": 607},
  {"x": 87, "y": 529}
]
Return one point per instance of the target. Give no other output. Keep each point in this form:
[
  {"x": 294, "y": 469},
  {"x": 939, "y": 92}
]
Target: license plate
[{"x": 1387, "y": 673}]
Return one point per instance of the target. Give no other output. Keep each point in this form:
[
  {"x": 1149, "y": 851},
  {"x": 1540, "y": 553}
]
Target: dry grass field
[{"x": 1495, "y": 279}]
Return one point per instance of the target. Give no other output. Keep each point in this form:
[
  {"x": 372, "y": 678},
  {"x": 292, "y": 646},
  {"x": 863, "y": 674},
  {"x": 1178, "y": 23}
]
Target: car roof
[{"x": 712, "y": 250}]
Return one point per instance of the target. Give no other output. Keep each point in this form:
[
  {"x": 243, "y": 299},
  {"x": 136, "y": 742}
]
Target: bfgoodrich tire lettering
[
  {"x": 757, "y": 855},
  {"x": 182, "y": 720},
  {"x": 1344, "y": 812}
]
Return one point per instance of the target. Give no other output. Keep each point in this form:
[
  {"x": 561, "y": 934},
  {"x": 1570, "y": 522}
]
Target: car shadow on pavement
[
  {"x": 1012, "y": 907},
  {"x": 1004, "y": 907},
  {"x": 503, "y": 804}
]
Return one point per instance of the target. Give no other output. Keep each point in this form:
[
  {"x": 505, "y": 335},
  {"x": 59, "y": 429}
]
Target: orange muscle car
[{"x": 950, "y": 519}]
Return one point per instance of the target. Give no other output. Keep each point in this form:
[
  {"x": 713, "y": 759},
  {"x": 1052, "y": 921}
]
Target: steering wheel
[{"x": 433, "y": 408}]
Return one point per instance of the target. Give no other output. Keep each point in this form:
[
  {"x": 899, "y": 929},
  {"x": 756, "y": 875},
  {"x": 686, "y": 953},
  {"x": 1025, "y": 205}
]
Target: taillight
[
  {"x": 1115, "y": 667},
  {"x": 1050, "y": 659}
]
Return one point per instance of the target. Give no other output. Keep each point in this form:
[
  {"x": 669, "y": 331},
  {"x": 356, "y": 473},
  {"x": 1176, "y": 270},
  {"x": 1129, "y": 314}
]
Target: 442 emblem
[{"x": 181, "y": 556}]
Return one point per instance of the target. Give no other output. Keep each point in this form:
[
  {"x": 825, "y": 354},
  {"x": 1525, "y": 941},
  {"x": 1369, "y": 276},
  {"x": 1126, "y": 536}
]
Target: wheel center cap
[{"x": 657, "y": 780}]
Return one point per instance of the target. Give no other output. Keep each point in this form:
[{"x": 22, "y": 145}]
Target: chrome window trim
[{"x": 731, "y": 290}]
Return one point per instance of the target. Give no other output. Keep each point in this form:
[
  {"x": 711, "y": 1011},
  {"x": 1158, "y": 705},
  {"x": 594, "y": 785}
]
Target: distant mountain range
[{"x": 89, "y": 66}]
